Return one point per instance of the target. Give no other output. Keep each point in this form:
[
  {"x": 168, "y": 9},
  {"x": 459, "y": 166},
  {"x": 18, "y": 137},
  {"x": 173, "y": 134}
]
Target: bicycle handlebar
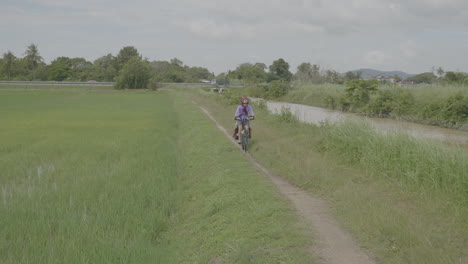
[{"x": 238, "y": 118}]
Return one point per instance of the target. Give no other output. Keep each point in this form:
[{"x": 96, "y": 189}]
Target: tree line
[
  {"x": 108, "y": 68},
  {"x": 259, "y": 73},
  {"x": 275, "y": 80},
  {"x": 130, "y": 70},
  {"x": 439, "y": 76}
]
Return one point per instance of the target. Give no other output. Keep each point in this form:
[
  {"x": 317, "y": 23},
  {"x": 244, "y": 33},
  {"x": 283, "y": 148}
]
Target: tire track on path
[{"x": 333, "y": 244}]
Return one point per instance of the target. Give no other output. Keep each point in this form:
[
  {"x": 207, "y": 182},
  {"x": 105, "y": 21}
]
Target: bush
[
  {"x": 261, "y": 104},
  {"x": 455, "y": 110},
  {"x": 277, "y": 88},
  {"x": 357, "y": 93},
  {"x": 231, "y": 98},
  {"x": 451, "y": 112},
  {"x": 153, "y": 84},
  {"x": 330, "y": 101},
  {"x": 390, "y": 102},
  {"x": 135, "y": 74},
  {"x": 286, "y": 115}
]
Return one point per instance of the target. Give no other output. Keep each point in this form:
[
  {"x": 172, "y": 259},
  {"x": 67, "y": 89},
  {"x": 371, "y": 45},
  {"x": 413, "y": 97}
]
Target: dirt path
[{"x": 334, "y": 245}]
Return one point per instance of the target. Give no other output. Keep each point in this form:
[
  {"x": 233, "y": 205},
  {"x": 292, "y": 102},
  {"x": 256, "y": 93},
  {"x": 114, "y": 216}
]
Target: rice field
[{"x": 132, "y": 177}]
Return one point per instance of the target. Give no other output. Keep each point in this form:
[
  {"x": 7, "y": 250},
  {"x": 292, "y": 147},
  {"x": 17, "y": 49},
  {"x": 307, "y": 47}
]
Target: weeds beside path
[{"x": 333, "y": 244}]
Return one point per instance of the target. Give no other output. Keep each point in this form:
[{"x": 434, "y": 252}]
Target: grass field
[
  {"x": 403, "y": 199},
  {"x": 132, "y": 178}
]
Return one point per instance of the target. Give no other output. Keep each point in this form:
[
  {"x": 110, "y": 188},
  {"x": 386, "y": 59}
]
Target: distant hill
[{"x": 371, "y": 73}]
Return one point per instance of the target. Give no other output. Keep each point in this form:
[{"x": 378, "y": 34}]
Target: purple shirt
[{"x": 240, "y": 111}]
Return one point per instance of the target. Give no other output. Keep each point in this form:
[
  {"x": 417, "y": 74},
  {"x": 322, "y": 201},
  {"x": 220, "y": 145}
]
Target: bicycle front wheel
[{"x": 244, "y": 142}]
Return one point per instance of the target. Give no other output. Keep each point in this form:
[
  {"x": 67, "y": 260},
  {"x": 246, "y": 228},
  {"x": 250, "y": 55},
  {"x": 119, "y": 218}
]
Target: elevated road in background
[{"x": 57, "y": 83}]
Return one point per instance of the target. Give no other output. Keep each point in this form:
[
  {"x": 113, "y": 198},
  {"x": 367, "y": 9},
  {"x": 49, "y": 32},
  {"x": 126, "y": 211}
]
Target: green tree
[
  {"x": 279, "y": 69},
  {"x": 222, "y": 79},
  {"x": 250, "y": 73},
  {"x": 349, "y": 76},
  {"x": 426, "y": 77},
  {"x": 42, "y": 72},
  {"x": 126, "y": 54},
  {"x": 20, "y": 70},
  {"x": 176, "y": 62},
  {"x": 315, "y": 71},
  {"x": 135, "y": 74},
  {"x": 80, "y": 69},
  {"x": 260, "y": 65},
  {"x": 104, "y": 69},
  {"x": 332, "y": 76},
  {"x": 173, "y": 77},
  {"x": 304, "y": 72},
  {"x": 440, "y": 72},
  {"x": 161, "y": 69},
  {"x": 60, "y": 69},
  {"x": 175, "y": 71},
  {"x": 2, "y": 70},
  {"x": 195, "y": 74},
  {"x": 455, "y": 77},
  {"x": 33, "y": 58},
  {"x": 8, "y": 60}
]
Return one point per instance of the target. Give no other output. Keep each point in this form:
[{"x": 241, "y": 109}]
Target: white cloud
[
  {"x": 344, "y": 33},
  {"x": 375, "y": 58},
  {"x": 207, "y": 28},
  {"x": 408, "y": 49},
  {"x": 304, "y": 27}
]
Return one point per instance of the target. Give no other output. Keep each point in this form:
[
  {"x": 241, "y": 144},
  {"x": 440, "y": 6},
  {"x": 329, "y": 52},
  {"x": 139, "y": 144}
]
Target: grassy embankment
[
  {"x": 443, "y": 105},
  {"x": 132, "y": 178},
  {"x": 404, "y": 199}
]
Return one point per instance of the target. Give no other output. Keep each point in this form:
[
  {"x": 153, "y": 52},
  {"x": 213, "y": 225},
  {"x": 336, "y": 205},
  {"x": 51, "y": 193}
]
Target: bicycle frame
[{"x": 244, "y": 134}]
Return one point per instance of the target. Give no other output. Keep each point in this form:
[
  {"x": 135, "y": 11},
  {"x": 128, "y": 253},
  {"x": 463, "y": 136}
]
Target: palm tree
[
  {"x": 33, "y": 58},
  {"x": 9, "y": 58}
]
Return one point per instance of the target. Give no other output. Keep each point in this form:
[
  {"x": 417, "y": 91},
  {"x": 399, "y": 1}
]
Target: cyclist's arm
[
  {"x": 251, "y": 111},
  {"x": 238, "y": 113}
]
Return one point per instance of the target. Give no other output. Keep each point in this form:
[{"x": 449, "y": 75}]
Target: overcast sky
[{"x": 411, "y": 35}]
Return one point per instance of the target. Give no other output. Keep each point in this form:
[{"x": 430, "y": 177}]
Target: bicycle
[{"x": 244, "y": 134}]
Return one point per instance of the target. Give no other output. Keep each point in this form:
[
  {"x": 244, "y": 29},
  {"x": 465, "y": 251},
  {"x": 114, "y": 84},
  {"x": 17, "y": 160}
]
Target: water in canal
[{"x": 315, "y": 115}]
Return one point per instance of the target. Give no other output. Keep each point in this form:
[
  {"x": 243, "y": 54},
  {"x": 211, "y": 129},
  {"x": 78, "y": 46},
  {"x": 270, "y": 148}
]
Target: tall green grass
[
  {"x": 132, "y": 178},
  {"x": 403, "y": 199},
  {"x": 441, "y": 105},
  {"x": 412, "y": 162},
  {"x": 432, "y": 93},
  {"x": 316, "y": 95}
]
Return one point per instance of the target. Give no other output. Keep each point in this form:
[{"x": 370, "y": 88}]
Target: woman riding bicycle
[{"x": 242, "y": 113}]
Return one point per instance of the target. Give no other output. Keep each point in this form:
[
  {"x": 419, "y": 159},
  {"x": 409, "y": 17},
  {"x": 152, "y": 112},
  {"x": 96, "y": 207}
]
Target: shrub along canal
[{"x": 317, "y": 115}]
